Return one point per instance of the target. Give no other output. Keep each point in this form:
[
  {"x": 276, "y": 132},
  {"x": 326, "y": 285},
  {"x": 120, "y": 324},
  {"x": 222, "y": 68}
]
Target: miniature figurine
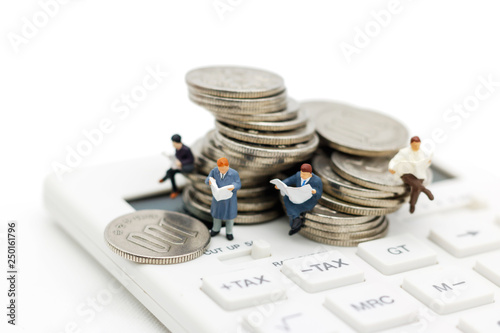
[
  {"x": 296, "y": 211},
  {"x": 184, "y": 162},
  {"x": 411, "y": 164},
  {"x": 224, "y": 206}
]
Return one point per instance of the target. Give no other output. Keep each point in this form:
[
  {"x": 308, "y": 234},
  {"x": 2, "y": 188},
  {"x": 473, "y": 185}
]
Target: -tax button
[
  {"x": 243, "y": 288},
  {"x": 397, "y": 254},
  {"x": 322, "y": 271},
  {"x": 372, "y": 308}
]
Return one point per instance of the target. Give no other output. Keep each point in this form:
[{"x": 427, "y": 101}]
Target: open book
[
  {"x": 297, "y": 195},
  {"x": 220, "y": 193}
]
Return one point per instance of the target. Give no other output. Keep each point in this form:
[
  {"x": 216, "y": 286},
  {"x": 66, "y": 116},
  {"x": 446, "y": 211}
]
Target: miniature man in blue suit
[
  {"x": 224, "y": 210},
  {"x": 296, "y": 212}
]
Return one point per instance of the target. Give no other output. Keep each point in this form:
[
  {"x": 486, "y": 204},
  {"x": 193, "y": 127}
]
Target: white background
[{"x": 63, "y": 78}]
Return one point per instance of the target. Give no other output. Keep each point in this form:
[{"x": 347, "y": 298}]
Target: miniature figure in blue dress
[{"x": 224, "y": 209}]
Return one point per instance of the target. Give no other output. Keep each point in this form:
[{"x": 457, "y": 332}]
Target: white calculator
[{"x": 437, "y": 270}]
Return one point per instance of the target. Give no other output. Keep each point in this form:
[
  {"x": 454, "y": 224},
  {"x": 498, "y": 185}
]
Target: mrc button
[{"x": 372, "y": 307}]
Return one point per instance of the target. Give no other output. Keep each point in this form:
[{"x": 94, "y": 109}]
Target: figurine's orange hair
[{"x": 222, "y": 162}]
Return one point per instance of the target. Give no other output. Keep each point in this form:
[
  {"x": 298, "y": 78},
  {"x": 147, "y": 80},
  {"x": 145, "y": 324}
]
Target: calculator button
[
  {"x": 489, "y": 267},
  {"x": 465, "y": 239},
  {"x": 448, "y": 290},
  {"x": 260, "y": 249},
  {"x": 322, "y": 271},
  {"x": 481, "y": 321},
  {"x": 243, "y": 288},
  {"x": 397, "y": 254},
  {"x": 292, "y": 318},
  {"x": 371, "y": 308}
]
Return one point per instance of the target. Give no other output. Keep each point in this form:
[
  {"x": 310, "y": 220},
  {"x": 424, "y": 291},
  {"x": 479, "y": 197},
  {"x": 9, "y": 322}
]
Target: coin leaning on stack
[
  {"x": 258, "y": 129},
  {"x": 358, "y": 190}
]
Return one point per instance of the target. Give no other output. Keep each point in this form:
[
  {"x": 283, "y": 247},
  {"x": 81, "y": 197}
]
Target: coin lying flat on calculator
[{"x": 157, "y": 237}]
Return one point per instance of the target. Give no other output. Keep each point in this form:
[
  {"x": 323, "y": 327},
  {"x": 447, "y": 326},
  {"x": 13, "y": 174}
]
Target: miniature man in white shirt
[{"x": 411, "y": 165}]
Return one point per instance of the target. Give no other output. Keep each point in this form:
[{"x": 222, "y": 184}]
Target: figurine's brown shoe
[{"x": 174, "y": 195}]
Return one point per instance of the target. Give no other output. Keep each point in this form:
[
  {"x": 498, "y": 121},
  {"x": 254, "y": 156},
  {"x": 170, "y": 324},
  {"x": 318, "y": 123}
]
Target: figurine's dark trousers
[
  {"x": 416, "y": 186},
  {"x": 172, "y": 172}
]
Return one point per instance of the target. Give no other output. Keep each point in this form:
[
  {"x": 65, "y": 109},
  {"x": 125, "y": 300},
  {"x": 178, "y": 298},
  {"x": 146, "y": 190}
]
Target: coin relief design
[{"x": 157, "y": 237}]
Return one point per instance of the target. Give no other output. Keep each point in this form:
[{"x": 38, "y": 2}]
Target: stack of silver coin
[
  {"x": 257, "y": 128},
  {"x": 358, "y": 190}
]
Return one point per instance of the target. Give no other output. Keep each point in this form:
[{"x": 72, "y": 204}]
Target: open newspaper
[
  {"x": 413, "y": 167},
  {"x": 297, "y": 195},
  {"x": 220, "y": 193}
]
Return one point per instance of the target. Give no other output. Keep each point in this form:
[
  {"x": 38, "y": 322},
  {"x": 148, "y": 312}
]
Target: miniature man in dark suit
[
  {"x": 184, "y": 163},
  {"x": 296, "y": 212},
  {"x": 224, "y": 210}
]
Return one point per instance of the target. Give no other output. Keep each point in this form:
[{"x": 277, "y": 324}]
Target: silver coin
[
  {"x": 241, "y": 106},
  {"x": 353, "y": 235},
  {"x": 236, "y": 82},
  {"x": 331, "y": 180},
  {"x": 291, "y": 112},
  {"x": 157, "y": 237},
  {"x": 258, "y": 204},
  {"x": 244, "y": 192},
  {"x": 265, "y": 138},
  {"x": 252, "y": 159},
  {"x": 197, "y": 177},
  {"x": 237, "y": 110},
  {"x": 344, "y": 228},
  {"x": 341, "y": 242},
  {"x": 354, "y": 209},
  {"x": 279, "y": 99},
  {"x": 357, "y": 131},
  {"x": 368, "y": 202},
  {"x": 299, "y": 150},
  {"x": 205, "y": 164},
  {"x": 196, "y": 209},
  {"x": 200, "y": 209},
  {"x": 270, "y": 126},
  {"x": 261, "y": 166},
  {"x": 371, "y": 172},
  {"x": 325, "y": 215}
]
